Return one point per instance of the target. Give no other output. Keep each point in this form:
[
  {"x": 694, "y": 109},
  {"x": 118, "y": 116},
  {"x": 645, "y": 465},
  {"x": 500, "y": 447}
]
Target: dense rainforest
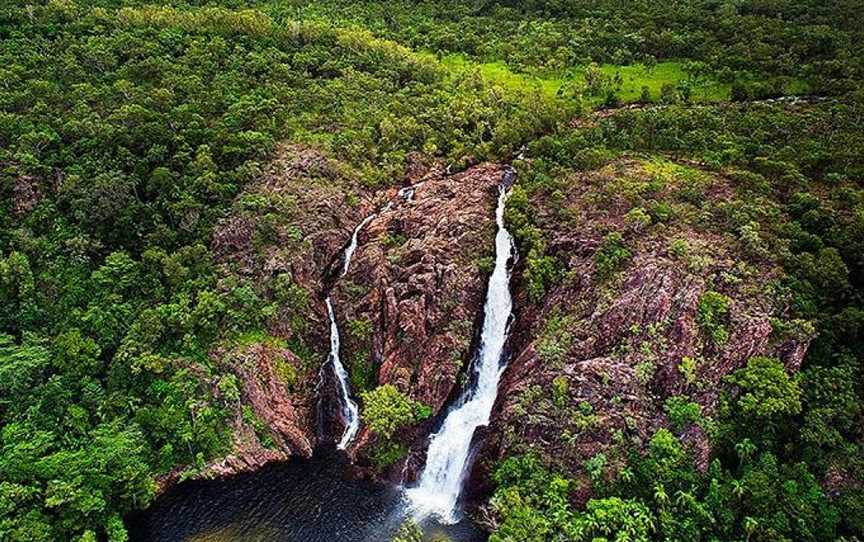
[{"x": 715, "y": 147}]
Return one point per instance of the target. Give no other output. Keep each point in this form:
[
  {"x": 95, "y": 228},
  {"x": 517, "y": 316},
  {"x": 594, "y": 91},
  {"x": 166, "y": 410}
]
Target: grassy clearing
[
  {"x": 636, "y": 76},
  {"x": 499, "y": 73},
  {"x": 633, "y": 79}
]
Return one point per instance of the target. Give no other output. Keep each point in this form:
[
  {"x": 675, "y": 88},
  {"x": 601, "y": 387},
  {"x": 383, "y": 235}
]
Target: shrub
[
  {"x": 711, "y": 316},
  {"x": 386, "y": 409},
  {"x": 682, "y": 412},
  {"x": 687, "y": 368},
  {"x": 560, "y": 390},
  {"x": 595, "y": 466},
  {"x": 610, "y": 256},
  {"x": 767, "y": 391},
  {"x": 637, "y": 219}
]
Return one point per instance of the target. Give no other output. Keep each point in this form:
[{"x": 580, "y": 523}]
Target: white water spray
[
  {"x": 350, "y": 412},
  {"x": 349, "y": 252},
  {"x": 447, "y": 459}
]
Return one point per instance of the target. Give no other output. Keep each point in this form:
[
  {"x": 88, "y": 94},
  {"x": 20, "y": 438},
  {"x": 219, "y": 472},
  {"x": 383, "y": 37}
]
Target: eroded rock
[{"x": 596, "y": 358}]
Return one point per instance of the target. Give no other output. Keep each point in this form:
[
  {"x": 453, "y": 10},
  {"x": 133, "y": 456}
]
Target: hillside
[{"x": 188, "y": 187}]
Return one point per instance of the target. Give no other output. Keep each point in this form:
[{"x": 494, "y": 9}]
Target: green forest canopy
[{"x": 127, "y": 129}]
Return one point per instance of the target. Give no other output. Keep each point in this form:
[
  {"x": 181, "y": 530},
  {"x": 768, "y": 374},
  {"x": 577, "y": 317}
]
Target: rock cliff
[
  {"x": 595, "y": 359},
  {"x": 653, "y": 298}
]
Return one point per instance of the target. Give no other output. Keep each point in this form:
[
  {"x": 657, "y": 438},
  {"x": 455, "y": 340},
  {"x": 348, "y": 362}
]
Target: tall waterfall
[
  {"x": 440, "y": 484},
  {"x": 350, "y": 412}
]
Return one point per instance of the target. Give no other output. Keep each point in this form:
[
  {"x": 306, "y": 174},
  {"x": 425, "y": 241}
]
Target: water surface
[{"x": 313, "y": 500}]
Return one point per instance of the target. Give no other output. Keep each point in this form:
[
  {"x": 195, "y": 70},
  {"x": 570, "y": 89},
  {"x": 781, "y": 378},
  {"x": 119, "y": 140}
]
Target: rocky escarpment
[
  {"x": 406, "y": 309},
  {"x": 282, "y": 232},
  {"x": 653, "y": 301},
  {"x": 413, "y": 296}
]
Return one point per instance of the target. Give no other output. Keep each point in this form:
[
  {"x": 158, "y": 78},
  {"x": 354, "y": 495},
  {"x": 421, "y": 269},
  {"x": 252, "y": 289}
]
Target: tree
[
  {"x": 386, "y": 409},
  {"x": 766, "y": 390}
]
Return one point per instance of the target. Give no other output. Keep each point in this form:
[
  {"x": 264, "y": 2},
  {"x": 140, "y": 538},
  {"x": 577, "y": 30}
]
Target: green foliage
[
  {"x": 556, "y": 340},
  {"x": 258, "y": 425},
  {"x": 766, "y": 390},
  {"x": 541, "y": 270},
  {"x": 830, "y": 403},
  {"x": 386, "y": 409},
  {"x": 611, "y": 255},
  {"x": 287, "y": 373},
  {"x": 386, "y": 453},
  {"x": 614, "y": 519},
  {"x": 595, "y": 466},
  {"x": 687, "y": 368},
  {"x": 560, "y": 391},
  {"x": 682, "y": 412},
  {"x": 408, "y": 532},
  {"x": 127, "y": 131},
  {"x": 711, "y": 315}
]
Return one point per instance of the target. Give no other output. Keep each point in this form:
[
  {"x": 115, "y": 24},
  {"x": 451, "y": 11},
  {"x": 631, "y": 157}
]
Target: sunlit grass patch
[{"x": 633, "y": 79}]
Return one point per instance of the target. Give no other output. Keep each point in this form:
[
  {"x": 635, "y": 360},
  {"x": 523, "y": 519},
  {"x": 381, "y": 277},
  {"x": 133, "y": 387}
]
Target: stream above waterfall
[{"x": 315, "y": 500}]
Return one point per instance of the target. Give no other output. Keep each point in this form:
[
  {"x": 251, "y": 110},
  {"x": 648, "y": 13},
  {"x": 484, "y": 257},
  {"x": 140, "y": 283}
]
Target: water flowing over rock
[
  {"x": 410, "y": 306},
  {"x": 350, "y": 412},
  {"x": 448, "y": 456}
]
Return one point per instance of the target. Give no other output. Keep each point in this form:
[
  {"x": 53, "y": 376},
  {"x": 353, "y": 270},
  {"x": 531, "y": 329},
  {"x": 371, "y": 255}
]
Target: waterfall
[
  {"x": 349, "y": 252},
  {"x": 350, "y": 411},
  {"x": 440, "y": 484}
]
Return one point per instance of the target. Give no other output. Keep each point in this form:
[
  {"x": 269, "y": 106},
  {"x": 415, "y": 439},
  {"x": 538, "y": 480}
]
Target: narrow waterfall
[
  {"x": 349, "y": 251},
  {"x": 350, "y": 412},
  {"x": 440, "y": 484}
]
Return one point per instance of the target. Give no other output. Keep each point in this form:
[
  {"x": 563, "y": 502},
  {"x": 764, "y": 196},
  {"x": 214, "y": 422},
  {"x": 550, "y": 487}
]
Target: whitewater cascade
[
  {"x": 352, "y": 246},
  {"x": 440, "y": 484},
  {"x": 350, "y": 411}
]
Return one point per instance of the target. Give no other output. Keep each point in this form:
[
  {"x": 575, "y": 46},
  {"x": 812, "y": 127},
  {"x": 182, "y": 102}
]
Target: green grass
[
  {"x": 633, "y": 77},
  {"x": 257, "y": 337},
  {"x": 500, "y": 74},
  {"x": 636, "y": 76}
]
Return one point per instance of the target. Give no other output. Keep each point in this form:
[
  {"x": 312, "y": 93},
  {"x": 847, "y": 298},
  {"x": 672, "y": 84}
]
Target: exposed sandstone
[
  {"x": 412, "y": 298},
  {"x": 273, "y": 417},
  {"x": 283, "y": 234},
  {"x": 595, "y": 359},
  {"x": 407, "y": 310}
]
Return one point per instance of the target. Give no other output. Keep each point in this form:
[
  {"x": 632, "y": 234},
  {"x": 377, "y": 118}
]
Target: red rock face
[
  {"x": 410, "y": 303},
  {"x": 592, "y": 362},
  {"x": 270, "y": 378},
  {"x": 282, "y": 236},
  {"x": 595, "y": 359},
  {"x": 407, "y": 309}
]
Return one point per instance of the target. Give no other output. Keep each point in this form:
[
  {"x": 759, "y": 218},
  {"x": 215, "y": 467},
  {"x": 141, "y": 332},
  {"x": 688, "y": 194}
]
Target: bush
[
  {"x": 682, "y": 412},
  {"x": 766, "y": 390},
  {"x": 386, "y": 409},
  {"x": 610, "y": 256},
  {"x": 711, "y": 316}
]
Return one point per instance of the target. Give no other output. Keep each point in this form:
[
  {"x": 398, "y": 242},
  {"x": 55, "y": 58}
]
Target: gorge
[{"x": 439, "y": 271}]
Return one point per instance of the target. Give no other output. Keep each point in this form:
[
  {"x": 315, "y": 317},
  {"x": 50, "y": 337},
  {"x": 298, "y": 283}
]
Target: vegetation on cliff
[{"x": 133, "y": 143}]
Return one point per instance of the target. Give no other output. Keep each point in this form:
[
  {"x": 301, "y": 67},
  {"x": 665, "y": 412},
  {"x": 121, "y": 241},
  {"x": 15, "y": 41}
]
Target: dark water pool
[{"x": 299, "y": 501}]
